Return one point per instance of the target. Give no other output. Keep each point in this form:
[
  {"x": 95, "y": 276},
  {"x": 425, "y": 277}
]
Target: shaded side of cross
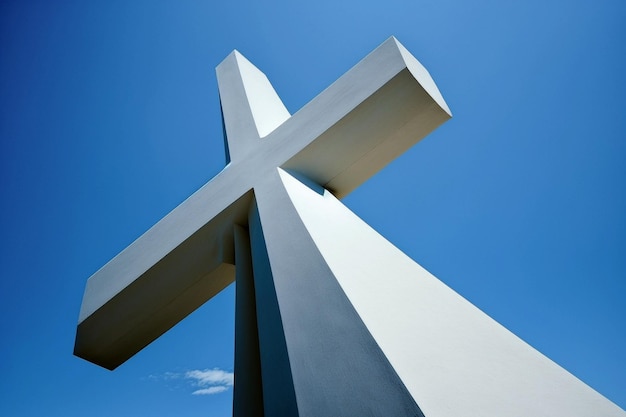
[{"x": 301, "y": 348}]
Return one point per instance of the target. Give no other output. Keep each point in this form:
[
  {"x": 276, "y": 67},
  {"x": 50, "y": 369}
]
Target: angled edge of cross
[{"x": 373, "y": 113}]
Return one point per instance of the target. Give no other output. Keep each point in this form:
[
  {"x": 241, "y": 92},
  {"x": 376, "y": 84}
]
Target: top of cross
[{"x": 365, "y": 119}]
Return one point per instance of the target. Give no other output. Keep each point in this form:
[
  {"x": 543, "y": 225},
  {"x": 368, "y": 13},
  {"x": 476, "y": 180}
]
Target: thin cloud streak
[
  {"x": 210, "y": 391},
  {"x": 205, "y": 381},
  {"x": 211, "y": 377}
]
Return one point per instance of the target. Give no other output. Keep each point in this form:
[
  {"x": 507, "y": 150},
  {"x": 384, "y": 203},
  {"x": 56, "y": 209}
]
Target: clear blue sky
[{"x": 110, "y": 117}]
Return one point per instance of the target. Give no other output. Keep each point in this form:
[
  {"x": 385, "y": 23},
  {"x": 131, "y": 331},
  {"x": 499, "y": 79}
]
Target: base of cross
[{"x": 345, "y": 324}]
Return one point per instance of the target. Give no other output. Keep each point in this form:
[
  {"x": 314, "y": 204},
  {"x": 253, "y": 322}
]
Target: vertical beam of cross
[{"x": 307, "y": 329}]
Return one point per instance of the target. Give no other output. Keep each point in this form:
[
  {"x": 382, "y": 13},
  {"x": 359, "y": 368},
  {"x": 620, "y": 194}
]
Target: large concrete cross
[{"x": 331, "y": 319}]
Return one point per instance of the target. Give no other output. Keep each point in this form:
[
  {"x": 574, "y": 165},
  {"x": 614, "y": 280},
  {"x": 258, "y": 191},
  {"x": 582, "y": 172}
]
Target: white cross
[
  {"x": 331, "y": 319},
  {"x": 377, "y": 110}
]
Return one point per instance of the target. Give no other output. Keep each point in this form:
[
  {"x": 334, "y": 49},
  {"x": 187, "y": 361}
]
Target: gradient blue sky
[{"x": 109, "y": 118}]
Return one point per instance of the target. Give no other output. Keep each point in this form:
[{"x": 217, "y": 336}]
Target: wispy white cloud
[
  {"x": 207, "y": 381},
  {"x": 210, "y": 390},
  {"x": 211, "y": 377},
  {"x": 212, "y": 381}
]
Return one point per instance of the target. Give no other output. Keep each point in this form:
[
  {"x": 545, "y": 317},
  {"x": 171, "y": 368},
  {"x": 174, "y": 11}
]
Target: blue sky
[{"x": 110, "y": 117}]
